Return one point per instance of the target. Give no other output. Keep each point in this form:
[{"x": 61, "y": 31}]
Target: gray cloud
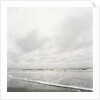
[
  {"x": 63, "y": 41},
  {"x": 75, "y": 33},
  {"x": 30, "y": 42}
]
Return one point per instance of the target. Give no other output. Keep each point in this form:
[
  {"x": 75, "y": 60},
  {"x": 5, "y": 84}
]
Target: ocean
[{"x": 50, "y": 80}]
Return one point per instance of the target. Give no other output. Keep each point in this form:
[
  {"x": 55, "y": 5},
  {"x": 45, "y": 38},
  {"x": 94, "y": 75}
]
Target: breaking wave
[{"x": 50, "y": 84}]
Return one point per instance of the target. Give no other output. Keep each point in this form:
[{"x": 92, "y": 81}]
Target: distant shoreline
[{"x": 51, "y": 69}]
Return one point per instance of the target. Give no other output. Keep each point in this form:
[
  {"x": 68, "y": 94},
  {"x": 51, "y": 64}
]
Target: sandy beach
[{"x": 23, "y": 86}]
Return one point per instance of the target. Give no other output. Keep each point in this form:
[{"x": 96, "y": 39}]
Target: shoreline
[{"x": 24, "y": 86}]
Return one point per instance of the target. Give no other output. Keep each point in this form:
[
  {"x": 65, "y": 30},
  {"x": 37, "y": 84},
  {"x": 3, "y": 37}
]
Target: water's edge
[{"x": 50, "y": 84}]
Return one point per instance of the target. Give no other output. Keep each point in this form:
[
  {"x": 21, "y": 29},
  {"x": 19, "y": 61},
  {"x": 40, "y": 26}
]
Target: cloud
[
  {"x": 30, "y": 42},
  {"x": 75, "y": 32},
  {"x": 50, "y": 36}
]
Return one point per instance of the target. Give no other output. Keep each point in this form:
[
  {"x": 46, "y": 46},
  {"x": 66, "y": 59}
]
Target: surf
[{"x": 50, "y": 84}]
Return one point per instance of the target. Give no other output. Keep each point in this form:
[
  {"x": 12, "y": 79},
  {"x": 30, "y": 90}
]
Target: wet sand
[{"x": 23, "y": 86}]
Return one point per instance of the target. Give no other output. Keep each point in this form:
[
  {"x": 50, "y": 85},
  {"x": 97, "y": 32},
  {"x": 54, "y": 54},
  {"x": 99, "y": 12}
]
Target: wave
[{"x": 50, "y": 84}]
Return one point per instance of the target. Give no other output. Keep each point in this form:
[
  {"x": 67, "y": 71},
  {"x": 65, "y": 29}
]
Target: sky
[{"x": 50, "y": 37}]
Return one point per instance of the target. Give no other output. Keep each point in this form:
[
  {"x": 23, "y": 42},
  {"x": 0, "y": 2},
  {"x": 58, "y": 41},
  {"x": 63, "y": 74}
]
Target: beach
[
  {"x": 49, "y": 81},
  {"x": 23, "y": 86}
]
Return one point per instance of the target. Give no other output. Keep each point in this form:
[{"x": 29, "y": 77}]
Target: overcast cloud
[{"x": 50, "y": 37}]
